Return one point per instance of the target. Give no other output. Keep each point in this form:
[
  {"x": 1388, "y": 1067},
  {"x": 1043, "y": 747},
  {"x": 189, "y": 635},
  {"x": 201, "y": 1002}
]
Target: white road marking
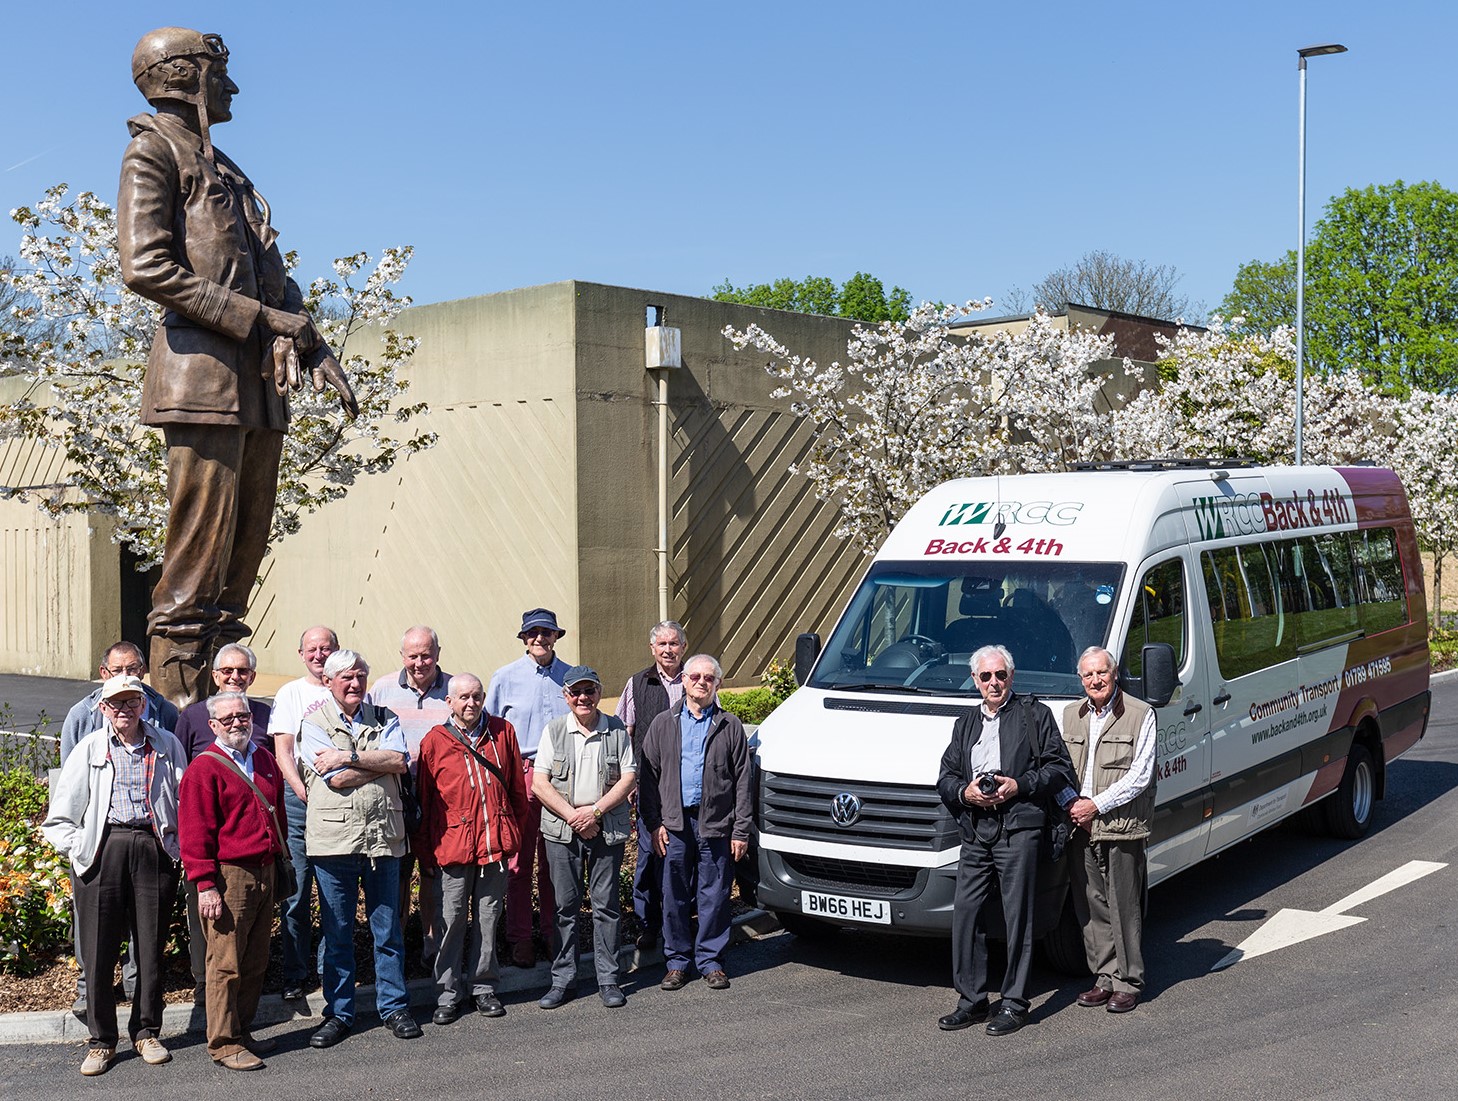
[{"x": 1288, "y": 927}]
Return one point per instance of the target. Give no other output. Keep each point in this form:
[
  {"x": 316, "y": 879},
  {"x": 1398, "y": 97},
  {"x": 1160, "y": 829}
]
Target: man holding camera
[{"x": 1004, "y": 761}]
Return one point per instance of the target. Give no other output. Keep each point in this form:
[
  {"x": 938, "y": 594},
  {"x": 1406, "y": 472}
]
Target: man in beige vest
[
  {"x": 1111, "y": 740},
  {"x": 352, "y": 754}
]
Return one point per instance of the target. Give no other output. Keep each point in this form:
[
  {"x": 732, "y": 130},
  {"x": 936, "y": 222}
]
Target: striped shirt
[{"x": 133, "y": 767}]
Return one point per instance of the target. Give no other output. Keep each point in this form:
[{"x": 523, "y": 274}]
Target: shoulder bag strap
[
  {"x": 462, "y": 741},
  {"x": 269, "y": 811}
]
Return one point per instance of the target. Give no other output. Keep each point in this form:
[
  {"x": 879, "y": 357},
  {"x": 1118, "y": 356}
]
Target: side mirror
[
  {"x": 807, "y": 650},
  {"x": 1157, "y": 686}
]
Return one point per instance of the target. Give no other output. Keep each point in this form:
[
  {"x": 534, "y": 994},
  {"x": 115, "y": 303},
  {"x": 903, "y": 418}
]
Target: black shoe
[
  {"x": 558, "y": 995},
  {"x": 403, "y": 1025},
  {"x": 333, "y": 1031},
  {"x": 446, "y": 1014},
  {"x": 1005, "y": 1022},
  {"x": 489, "y": 1005},
  {"x": 293, "y": 992},
  {"x": 612, "y": 996},
  {"x": 964, "y": 1016}
]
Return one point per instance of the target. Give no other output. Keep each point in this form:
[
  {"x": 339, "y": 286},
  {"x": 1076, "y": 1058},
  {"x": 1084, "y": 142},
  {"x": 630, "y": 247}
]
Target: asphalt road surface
[{"x": 1367, "y": 1011}]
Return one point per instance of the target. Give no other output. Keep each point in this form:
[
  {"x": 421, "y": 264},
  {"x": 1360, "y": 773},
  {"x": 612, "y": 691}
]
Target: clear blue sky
[{"x": 953, "y": 148}]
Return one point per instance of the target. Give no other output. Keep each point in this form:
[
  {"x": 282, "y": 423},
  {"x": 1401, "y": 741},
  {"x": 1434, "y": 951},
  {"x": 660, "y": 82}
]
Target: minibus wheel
[{"x": 1349, "y": 810}]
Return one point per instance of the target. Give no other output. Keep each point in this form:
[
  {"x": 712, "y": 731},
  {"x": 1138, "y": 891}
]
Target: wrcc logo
[{"x": 845, "y": 809}]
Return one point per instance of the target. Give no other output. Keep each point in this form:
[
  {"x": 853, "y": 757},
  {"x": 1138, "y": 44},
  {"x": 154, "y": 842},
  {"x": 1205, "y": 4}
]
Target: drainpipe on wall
[{"x": 664, "y": 348}]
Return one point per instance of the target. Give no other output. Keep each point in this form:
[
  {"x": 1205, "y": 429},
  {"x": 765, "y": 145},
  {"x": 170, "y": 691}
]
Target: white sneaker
[
  {"x": 152, "y": 1052},
  {"x": 97, "y": 1061}
]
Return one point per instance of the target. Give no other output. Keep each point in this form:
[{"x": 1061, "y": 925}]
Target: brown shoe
[
  {"x": 1090, "y": 999},
  {"x": 259, "y": 1045},
  {"x": 523, "y": 954},
  {"x": 1122, "y": 1003},
  {"x": 674, "y": 980},
  {"x": 241, "y": 1060},
  {"x": 97, "y": 1061},
  {"x": 717, "y": 980}
]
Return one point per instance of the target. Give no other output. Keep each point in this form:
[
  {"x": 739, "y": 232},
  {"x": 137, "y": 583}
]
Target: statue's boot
[{"x": 180, "y": 669}]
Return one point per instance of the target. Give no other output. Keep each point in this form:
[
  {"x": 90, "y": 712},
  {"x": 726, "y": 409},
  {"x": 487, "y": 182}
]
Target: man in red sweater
[
  {"x": 472, "y": 786},
  {"x": 231, "y": 826}
]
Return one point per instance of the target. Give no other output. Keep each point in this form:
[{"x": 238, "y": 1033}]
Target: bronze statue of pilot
[{"x": 194, "y": 236}]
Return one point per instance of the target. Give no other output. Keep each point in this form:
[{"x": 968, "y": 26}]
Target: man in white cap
[
  {"x": 113, "y": 813},
  {"x": 528, "y": 694}
]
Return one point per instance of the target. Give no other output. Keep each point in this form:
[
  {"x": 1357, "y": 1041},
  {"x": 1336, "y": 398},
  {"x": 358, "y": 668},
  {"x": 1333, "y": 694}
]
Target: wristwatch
[
  {"x": 354, "y": 756},
  {"x": 596, "y": 812}
]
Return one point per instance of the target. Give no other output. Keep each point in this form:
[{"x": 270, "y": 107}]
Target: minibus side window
[
  {"x": 1378, "y": 570},
  {"x": 1159, "y": 615},
  {"x": 1248, "y": 620}
]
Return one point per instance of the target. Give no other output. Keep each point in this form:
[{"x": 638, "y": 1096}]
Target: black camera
[{"x": 989, "y": 783}]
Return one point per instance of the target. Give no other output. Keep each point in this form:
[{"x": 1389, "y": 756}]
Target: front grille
[
  {"x": 893, "y": 816},
  {"x": 887, "y": 879}
]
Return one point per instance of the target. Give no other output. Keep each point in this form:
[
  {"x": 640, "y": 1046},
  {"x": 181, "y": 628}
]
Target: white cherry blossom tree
[{"x": 79, "y": 392}]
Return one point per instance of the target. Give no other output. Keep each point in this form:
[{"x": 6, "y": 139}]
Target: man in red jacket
[
  {"x": 472, "y": 786},
  {"x": 231, "y": 826}
]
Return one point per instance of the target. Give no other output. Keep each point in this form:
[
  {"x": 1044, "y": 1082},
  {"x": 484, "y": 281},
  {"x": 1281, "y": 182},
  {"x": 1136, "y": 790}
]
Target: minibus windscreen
[{"x": 913, "y": 626}]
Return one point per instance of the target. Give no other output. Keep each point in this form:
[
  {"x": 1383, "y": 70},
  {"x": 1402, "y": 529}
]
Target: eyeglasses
[
  {"x": 131, "y": 703},
  {"x": 135, "y": 669},
  {"x": 229, "y": 671},
  {"x": 539, "y": 632},
  {"x": 699, "y": 678},
  {"x": 585, "y": 690},
  {"x": 234, "y": 720},
  {"x": 987, "y": 674}
]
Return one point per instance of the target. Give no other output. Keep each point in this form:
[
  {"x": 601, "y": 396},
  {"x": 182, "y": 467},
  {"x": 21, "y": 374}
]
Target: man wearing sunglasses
[
  {"x": 1005, "y": 760},
  {"x": 696, "y": 802},
  {"x": 528, "y": 694},
  {"x": 234, "y": 668},
  {"x": 584, "y": 773}
]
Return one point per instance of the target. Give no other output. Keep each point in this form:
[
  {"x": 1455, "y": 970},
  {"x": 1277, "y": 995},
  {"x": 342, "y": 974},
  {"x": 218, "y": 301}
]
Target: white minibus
[{"x": 1275, "y": 616}]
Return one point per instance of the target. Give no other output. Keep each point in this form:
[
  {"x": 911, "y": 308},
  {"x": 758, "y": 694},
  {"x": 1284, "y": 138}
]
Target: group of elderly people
[{"x": 350, "y": 785}]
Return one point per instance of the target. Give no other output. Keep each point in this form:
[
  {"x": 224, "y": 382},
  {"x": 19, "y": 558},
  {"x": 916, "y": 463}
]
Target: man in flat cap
[{"x": 584, "y": 775}]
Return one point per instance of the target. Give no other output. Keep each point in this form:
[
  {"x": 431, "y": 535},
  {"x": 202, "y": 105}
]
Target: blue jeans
[
  {"x": 297, "y": 933},
  {"x": 339, "y": 879}
]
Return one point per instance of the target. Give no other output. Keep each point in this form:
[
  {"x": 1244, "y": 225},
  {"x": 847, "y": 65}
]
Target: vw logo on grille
[{"x": 845, "y": 809}]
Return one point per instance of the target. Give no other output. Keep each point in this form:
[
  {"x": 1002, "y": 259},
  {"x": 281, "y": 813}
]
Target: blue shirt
[
  {"x": 693, "y": 733},
  {"x": 313, "y": 738},
  {"x": 528, "y": 696},
  {"x": 243, "y": 760}
]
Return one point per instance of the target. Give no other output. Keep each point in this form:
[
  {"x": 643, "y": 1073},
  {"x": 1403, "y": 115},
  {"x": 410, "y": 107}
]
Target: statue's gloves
[
  {"x": 286, "y": 372},
  {"x": 327, "y": 371}
]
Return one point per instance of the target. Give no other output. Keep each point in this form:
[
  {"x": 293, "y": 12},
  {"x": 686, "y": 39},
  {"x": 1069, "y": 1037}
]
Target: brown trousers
[{"x": 237, "y": 954}]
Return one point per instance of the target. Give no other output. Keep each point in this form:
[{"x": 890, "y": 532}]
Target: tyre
[
  {"x": 1349, "y": 809},
  {"x": 1063, "y": 945},
  {"x": 807, "y": 929}
]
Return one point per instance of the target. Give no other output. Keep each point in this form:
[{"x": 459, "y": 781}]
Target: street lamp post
[{"x": 1301, "y": 56}]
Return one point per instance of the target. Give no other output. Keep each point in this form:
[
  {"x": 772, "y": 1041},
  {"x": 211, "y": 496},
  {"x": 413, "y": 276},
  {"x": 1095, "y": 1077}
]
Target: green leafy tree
[
  {"x": 1381, "y": 287},
  {"x": 1264, "y": 294},
  {"x": 862, "y": 297}
]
